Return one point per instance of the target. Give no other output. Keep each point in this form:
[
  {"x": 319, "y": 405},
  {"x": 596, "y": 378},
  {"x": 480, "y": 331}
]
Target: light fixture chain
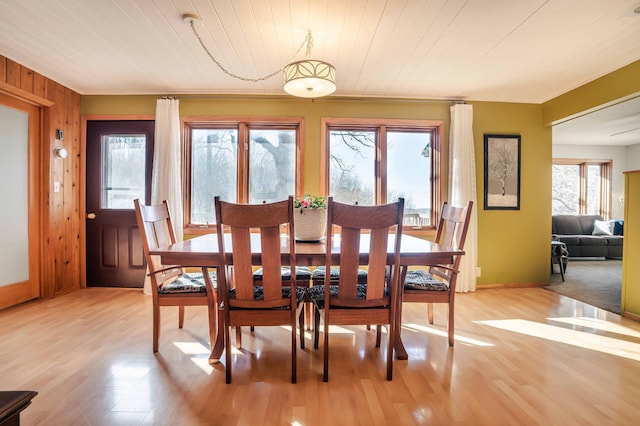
[{"x": 307, "y": 41}]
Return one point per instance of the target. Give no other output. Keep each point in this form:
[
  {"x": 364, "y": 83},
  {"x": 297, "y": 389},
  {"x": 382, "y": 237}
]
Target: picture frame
[{"x": 502, "y": 172}]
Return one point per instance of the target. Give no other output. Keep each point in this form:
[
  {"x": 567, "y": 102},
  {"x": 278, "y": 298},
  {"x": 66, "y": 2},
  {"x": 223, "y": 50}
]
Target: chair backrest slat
[
  {"x": 377, "y": 263},
  {"x": 349, "y": 252}
]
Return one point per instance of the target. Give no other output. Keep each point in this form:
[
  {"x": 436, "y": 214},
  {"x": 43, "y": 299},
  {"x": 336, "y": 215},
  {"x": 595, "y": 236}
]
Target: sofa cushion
[
  {"x": 587, "y": 221},
  {"x": 570, "y": 240},
  {"x": 592, "y": 240},
  {"x": 565, "y": 224},
  {"x": 615, "y": 240}
]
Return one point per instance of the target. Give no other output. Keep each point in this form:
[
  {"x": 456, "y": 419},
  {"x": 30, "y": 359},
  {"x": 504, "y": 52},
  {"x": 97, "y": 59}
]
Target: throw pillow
[
  {"x": 602, "y": 227},
  {"x": 618, "y": 227}
]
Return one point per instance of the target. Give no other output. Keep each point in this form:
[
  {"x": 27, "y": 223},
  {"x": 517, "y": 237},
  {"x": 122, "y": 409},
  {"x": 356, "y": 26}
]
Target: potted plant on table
[{"x": 310, "y": 217}]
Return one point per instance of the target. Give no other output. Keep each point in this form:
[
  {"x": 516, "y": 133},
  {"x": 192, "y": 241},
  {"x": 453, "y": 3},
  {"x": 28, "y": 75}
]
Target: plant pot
[{"x": 310, "y": 224}]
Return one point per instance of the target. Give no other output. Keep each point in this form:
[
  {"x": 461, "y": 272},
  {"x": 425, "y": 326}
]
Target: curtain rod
[{"x": 325, "y": 99}]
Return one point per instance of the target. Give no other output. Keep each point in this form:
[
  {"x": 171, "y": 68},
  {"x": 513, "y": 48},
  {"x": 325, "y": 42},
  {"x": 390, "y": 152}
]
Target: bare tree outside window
[
  {"x": 578, "y": 186},
  {"x": 272, "y": 159},
  {"x": 406, "y": 161}
]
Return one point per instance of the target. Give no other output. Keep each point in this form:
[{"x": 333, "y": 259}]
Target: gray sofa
[{"x": 576, "y": 231}]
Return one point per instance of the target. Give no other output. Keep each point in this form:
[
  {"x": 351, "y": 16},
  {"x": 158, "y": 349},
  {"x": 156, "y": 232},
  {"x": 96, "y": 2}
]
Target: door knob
[{"x": 91, "y": 216}]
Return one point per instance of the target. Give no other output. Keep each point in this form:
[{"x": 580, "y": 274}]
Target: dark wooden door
[{"x": 119, "y": 159}]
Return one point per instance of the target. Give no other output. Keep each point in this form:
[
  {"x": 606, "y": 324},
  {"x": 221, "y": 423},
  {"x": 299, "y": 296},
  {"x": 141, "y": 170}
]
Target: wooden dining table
[{"x": 203, "y": 251}]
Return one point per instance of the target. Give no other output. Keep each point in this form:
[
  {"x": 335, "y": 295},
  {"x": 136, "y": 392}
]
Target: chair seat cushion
[
  {"x": 316, "y": 293},
  {"x": 423, "y": 280},
  {"x": 191, "y": 282},
  {"x": 302, "y": 273},
  {"x": 258, "y": 293},
  {"x": 334, "y": 273}
]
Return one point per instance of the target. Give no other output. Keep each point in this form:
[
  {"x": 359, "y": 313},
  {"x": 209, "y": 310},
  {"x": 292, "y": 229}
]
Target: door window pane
[
  {"x": 123, "y": 168},
  {"x": 272, "y": 160},
  {"x": 409, "y": 174},
  {"x": 352, "y": 166},
  {"x": 214, "y": 164}
]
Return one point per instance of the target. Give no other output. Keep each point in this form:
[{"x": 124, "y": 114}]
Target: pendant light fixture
[{"x": 308, "y": 78}]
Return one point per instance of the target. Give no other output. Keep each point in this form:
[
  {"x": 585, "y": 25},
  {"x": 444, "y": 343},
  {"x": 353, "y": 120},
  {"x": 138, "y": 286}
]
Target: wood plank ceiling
[{"x": 493, "y": 50}]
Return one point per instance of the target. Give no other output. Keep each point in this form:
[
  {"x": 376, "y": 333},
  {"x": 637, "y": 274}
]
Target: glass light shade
[{"x": 309, "y": 78}]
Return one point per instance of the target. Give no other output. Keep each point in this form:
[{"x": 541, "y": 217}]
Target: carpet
[{"x": 596, "y": 282}]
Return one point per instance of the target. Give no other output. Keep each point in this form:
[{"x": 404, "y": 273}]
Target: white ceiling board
[{"x": 495, "y": 50}]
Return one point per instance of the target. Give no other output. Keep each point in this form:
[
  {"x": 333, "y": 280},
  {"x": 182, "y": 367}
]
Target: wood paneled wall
[{"x": 61, "y": 220}]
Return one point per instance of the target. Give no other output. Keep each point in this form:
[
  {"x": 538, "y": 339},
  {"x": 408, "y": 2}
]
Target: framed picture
[{"x": 501, "y": 172}]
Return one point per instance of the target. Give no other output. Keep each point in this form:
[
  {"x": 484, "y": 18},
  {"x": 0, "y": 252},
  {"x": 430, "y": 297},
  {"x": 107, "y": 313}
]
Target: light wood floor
[{"x": 522, "y": 357}]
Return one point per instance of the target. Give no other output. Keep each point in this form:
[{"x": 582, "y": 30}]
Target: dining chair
[
  {"x": 170, "y": 284},
  {"x": 349, "y": 302},
  {"x": 438, "y": 283},
  {"x": 274, "y": 303}
]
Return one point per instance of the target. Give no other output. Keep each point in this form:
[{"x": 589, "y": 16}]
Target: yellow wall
[
  {"x": 513, "y": 246},
  {"x": 630, "y": 267}
]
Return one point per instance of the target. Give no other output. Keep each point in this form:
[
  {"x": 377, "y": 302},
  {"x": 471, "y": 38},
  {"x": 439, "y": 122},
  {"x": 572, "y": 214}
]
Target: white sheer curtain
[
  {"x": 462, "y": 188},
  {"x": 166, "y": 180}
]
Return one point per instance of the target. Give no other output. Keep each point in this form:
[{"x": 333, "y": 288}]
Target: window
[
  {"x": 123, "y": 179},
  {"x": 372, "y": 162},
  {"x": 581, "y": 187},
  {"x": 241, "y": 161}
]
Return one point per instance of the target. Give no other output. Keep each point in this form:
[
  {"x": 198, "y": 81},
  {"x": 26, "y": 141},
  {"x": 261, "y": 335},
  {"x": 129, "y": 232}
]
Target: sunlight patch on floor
[
  {"x": 581, "y": 339},
  {"x": 599, "y": 324},
  {"x": 199, "y": 354},
  {"x": 457, "y": 338},
  {"x": 128, "y": 371},
  {"x": 192, "y": 348}
]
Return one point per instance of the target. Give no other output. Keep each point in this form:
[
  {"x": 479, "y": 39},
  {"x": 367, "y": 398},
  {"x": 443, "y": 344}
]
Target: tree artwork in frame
[{"x": 501, "y": 172}]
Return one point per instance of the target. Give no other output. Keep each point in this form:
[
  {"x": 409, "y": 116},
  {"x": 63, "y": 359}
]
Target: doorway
[
  {"x": 19, "y": 190},
  {"x": 119, "y": 161}
]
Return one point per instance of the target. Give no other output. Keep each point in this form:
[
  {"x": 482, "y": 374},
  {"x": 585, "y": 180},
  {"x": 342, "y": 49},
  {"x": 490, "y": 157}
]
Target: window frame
[
  {"x": 606, "y": 167},
  {"x": 244, "y": 125},
  {"x": 381, "y": 127}
]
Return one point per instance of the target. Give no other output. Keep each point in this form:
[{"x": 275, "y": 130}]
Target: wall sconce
[{"x": 60, "y": 152}]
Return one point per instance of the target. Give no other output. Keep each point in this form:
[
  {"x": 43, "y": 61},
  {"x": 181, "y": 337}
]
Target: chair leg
[
  {"x": 308, "y": 309},
  {"x": 391, "y": 340},
  {"x": 430, "y": 312},
  {"x": 212, "y": 324},
  {"x": 301, "y": 317},
  {"x": 238, "y": 337},
  {"x": 316, "y": 327},
  {"x": 378, "y": 335},
  {"x": 325, "y": 375},
  {"x": 180, "y": 316},
  {"x": 227, "y": 349},
  {"x": 294, "y": 344},
  {"x": 451, "y": 329},
  {"x": 156, "y": 326}
]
